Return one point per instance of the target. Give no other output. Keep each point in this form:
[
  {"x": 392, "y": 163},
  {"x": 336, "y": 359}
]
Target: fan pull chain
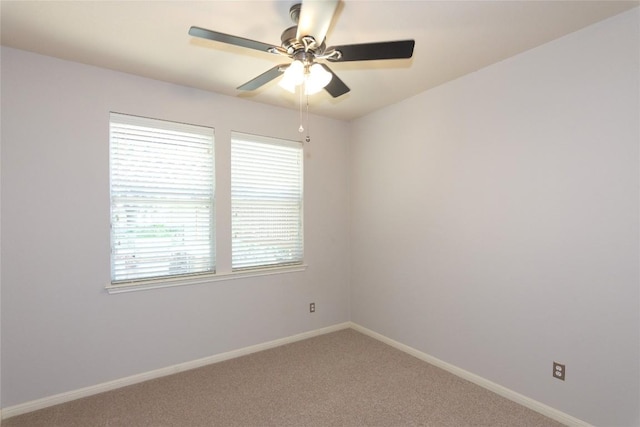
[
  {"x": 308, "y": 138},
  {"x": 301, "y": 128}
]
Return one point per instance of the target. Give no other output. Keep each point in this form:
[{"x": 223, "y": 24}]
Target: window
[
  {"x": 162, "y": 199},
  {"x": 266, "y": 202}
]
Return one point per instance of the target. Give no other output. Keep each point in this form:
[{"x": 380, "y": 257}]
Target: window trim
[{"x": 196, "y": 279}]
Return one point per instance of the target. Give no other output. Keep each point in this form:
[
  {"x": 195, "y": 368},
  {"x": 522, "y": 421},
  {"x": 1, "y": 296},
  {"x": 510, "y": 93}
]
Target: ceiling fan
[{"x": 304, "y": 43}]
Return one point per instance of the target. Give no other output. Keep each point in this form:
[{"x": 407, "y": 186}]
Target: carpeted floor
[{"x": 340, "y": 379}]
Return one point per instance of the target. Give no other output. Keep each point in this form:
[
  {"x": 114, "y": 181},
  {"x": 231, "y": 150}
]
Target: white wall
[
  {"x": 494, "y": 225},
  {"x": 494, "y": 222},
  {"x": 61, "y": 331},
  {"x": 0, "y": 248}
]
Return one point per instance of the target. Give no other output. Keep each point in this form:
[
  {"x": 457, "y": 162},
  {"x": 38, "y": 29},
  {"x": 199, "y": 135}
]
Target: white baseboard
[
  {"x": 525, "y": 401},
  {"x": 45, "y": 402}
]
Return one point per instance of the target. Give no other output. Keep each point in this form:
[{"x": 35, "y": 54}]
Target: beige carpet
[{"x": 340, "y": 379}]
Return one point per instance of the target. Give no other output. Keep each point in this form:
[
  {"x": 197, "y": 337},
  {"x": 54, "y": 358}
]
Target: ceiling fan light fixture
[
  {"x": 293, "y": 76},
  {"x": 316, "y": 79}
]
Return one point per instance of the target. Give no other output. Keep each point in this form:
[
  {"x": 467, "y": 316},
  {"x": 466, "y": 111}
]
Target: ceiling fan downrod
[{"x": 294, "y": 12}]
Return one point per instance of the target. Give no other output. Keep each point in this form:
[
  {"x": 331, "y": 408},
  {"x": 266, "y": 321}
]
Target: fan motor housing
[
  {"x": 289, "y": 40},
  {"x": 292, "y": 45}
]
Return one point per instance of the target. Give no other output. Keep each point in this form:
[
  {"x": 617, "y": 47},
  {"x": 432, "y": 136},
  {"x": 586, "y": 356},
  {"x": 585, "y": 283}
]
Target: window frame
[
  {"x": 268, "y": 143},
  {"x": 135, "y": 127},
  {"x": 223, "y": 272}
]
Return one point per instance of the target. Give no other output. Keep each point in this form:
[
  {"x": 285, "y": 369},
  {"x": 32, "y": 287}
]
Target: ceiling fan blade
[
  {"x": 336, "y": 87},
  {"x": 226, "y": 38},
  {"x": 315, "y": 19},
  {"x": 264, "y": 78},
  {"x": 370, "y": 51}
]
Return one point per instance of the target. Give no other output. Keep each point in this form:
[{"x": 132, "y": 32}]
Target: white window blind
[
  {"x": 266, "y": 202},
  {"x": 162, "y": 198}
]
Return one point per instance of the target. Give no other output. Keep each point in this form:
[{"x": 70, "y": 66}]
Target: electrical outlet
[
  {"x": 312, "y": 307},
  {"x": 558, "y": 371}
]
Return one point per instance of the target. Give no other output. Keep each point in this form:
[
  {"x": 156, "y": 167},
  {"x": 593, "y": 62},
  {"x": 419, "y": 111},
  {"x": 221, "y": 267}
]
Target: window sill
[{"x": 199, "y": 279}]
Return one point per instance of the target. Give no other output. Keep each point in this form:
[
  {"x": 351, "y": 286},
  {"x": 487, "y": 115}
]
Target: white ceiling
[{"x": 149, "y": 38}]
